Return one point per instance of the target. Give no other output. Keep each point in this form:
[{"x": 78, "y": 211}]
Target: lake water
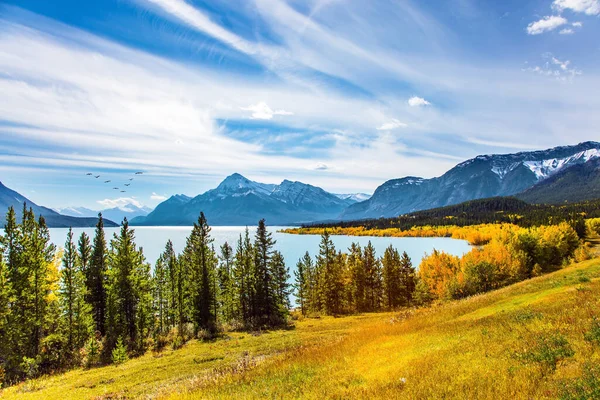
[{"x": 153, "y": 240}]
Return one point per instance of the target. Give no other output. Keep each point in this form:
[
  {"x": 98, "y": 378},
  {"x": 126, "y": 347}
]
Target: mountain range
[
  {"x": 566, "y": 173},
  {"x": 240, "y": 201},
  {"x": 555, "y": 175},
  {"x": 535, "y": 173},
  {"x": 10, "y": 198},
  {"x": 116, "y": 214}
]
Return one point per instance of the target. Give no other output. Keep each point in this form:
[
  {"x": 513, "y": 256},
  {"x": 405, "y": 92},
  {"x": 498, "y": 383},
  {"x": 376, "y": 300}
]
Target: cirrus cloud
[{"x": 391, "y": 125}]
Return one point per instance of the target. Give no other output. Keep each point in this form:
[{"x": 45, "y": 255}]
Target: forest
[
  {"x": 97, "y": 301},
  {"x": 484, "y": 211}
]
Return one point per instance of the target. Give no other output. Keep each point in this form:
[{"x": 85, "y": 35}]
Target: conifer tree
[
  {"x": 244, "y": 277},
  {"x": 128, "y": 292},
  {"x": 329, "y": 277},
  {"x": 301, "y": 283},
  {"x": 75, "y": 311},
  {"x": 281, "y": 287},
  {"x": 96, "y": 277},
  {"x": 264, "y": 300},
  {"x": 226, "y": 286},
  {"x": 202, "y": 268},
  {"x": 84, "y": 255},
  {"x": 357, "y": 270},
  {"x": 408, "y": 279},
  {"x": 161, "y": 295},
  {"x": 391, "y": 278},
  {"x": 373, "y": 279}
]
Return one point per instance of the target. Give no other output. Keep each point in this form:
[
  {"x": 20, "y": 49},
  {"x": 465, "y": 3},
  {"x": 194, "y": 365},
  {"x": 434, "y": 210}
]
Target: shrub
[
  {"x": 547, "y": 350},
  {"x": 585, "y": 387},
  {"x": 119, "y": 353},
  {"x": 593, "y": 335}
]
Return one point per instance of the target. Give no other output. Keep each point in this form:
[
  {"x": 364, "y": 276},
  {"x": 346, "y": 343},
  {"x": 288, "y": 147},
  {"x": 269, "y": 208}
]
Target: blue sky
[{"x": 342, "y": 94}]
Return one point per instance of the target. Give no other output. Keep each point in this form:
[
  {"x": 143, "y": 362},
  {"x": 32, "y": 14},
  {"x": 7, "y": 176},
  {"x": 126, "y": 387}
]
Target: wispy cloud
[
  {"x": 391, "y": 125},
  {"x": 157, "y": 197},
  {"x": 546, "y": 24},
  {"x": 119, "y": 202},
  {"x": 418, "y": 102},
  {"x": 263, "y": 111}
]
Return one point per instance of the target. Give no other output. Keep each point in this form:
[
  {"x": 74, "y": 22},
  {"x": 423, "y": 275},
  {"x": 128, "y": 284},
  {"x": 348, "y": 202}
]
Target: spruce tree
[
  {"x": 392, "y": 282},
  {"x": 202, "y": 267},
  {"x": 96, "y": 277},
  {"x": 408, "y": 278},
  {"x": 264, "y": 300},
  {"x": 301, "y": 283},
  {"x": 357, "y": 270},
  {"x": 75, "y": 311},
  {"x": 329, "y": 277},
  {"x": 373, "y": 279},
  {"x": 244, "y": 278},
  {"x": 280, "y": 288},
  {"x": 226, "y": 286},
  {"x": 161, "y": 294}
]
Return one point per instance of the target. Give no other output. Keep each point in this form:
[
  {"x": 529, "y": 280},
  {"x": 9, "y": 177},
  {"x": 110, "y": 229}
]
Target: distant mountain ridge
[
  {"x": 240, "y": 201},
  {"x": 117, "y": 214},
  {"x": 10, "y": 198},
  {"x": 481, "y": 177}
]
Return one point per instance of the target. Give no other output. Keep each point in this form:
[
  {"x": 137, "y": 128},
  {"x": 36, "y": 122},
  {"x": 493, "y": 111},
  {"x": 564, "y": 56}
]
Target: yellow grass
[{"x": 474, "y": 348}]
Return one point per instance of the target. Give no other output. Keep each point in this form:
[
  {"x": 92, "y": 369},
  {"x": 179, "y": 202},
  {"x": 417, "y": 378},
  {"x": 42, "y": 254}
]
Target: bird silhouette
[
  {"x": 107, "y": 181},
  {"x": 127, "y": 184},
  {"x": 139, "y": 173},
  {"x": 89, "y": 173},
  {"x": 130, "y": 179},
  {"x": 97, "y": 176},
  {"x": 122, "y": 191},
  {"x": 115, "y": 188}
]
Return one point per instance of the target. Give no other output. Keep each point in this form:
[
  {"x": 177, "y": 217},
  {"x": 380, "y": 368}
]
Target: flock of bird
[{"x": 116, "y": 188}]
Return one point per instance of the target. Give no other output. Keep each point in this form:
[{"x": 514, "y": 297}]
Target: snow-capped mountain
[
  {"x": 480, "y": 177},
  {"x": 354, "y": 197},
  {"x": 240, "y": 201},
  {"x": 115, "y": 214}
]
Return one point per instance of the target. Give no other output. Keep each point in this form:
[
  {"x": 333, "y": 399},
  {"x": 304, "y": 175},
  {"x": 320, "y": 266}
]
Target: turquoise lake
[{"x": 153, "y": 240}]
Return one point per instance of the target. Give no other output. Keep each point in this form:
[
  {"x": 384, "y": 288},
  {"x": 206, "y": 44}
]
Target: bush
[
  {"x": 119, "y": 353},
  {"x": 593, "y": 336},
  {"x": 585, "y": 387},
  {"x": 91, "y": 353},
  {"x": 547, "y": 350}
]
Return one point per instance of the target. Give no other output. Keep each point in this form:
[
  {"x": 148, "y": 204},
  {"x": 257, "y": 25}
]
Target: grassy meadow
[{"x": 536, "y": 339}]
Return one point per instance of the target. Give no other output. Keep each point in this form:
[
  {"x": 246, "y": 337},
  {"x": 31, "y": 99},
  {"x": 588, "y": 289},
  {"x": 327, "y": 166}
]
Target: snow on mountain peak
[{"x": 544, "y": 168}]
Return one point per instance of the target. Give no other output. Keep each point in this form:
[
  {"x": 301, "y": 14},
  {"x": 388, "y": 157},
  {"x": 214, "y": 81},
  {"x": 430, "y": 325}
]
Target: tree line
[
  {"x": 97, "y": 301},
  {"x": 484, "y": 211}
]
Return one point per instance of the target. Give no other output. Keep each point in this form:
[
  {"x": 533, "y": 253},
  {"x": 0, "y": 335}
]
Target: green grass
[{"x": 523, "y": 341}]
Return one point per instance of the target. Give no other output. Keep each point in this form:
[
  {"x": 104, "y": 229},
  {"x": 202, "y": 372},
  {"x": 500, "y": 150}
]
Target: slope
[{"x": 502, "y": 344}]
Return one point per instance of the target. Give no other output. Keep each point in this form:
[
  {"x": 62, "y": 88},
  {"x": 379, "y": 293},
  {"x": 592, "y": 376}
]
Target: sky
[{"x": 341, "y": 94}]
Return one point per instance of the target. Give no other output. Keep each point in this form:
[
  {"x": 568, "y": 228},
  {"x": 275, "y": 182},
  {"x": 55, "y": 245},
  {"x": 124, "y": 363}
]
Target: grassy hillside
[{"x": 536, "y": 339}]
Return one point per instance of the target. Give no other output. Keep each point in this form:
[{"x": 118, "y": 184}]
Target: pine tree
[
  {"x": 96, "y": 277},
  {"x": 226, "y": 283},
  {"x": 373, "y": 279},
  {"x": 329, "y": 277},
  {"x": 357, "y": 270},
  {"x": 84, "y": 255},
  {"x": 161, "y": 294},
  {"x": 264, "y": 300},
  {"x": 75, "y": 311},
  {"x": 408, "y": 279},
  {"x": 129, "y": 288},
  {"x": 301, "y": 282},
  {"x": 202, "y": 267},
  {"x": 244, "y": 277},
  {"x": 280, "y": 288},
  {"x": 392, "y": 282}
]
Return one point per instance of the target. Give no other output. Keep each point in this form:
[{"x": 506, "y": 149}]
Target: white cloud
[
  {"x": 555, "y": 68},
  {"x": 119, "y": 202},
  {"x": 262, "y": 110},
  {"x": 589, "y": 7},
  {"x": 577, "y": 24},
  {"x": 566, "y": 31},
  {"x": 157, "y": 197},
  {"x": 321, "y": 167},
  {"x": 393, "y": 124},
  {"x": 546, "y": 24},
  {"x": 418, "y": 102}
]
